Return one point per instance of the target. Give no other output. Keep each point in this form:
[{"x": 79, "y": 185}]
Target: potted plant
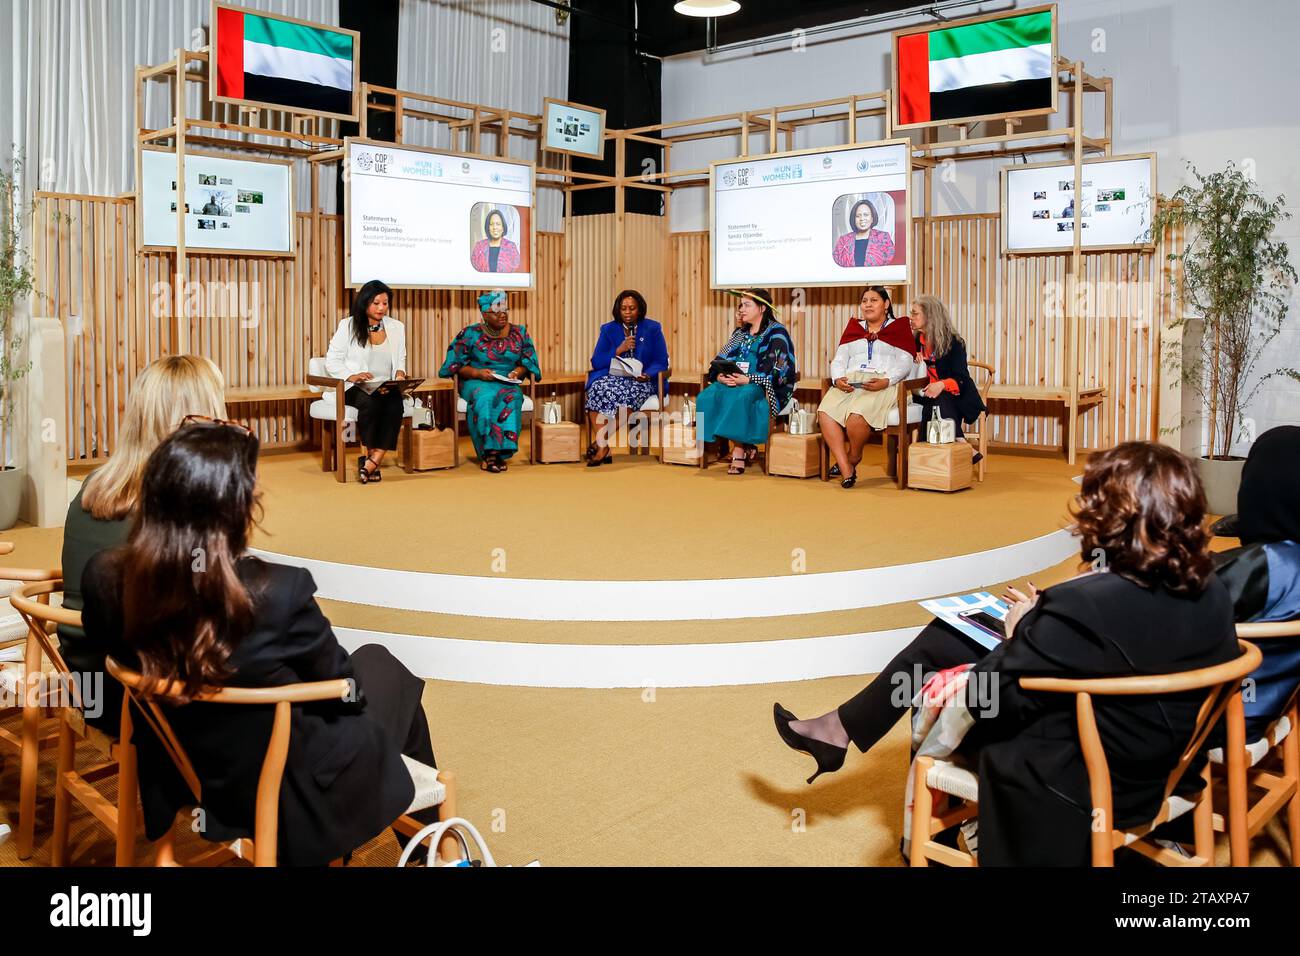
[
  {"x": 15, "y": 286},
  {"x": 1236, "y": 278}
]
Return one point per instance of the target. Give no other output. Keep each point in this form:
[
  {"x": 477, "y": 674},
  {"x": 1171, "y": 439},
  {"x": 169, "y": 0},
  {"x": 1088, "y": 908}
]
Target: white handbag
[
  {"x": 457, "y": 827},
  {"x": 688, "y": 411},
  {"x": 802, "y": 421},
  {"x": 625, "y": 366},
  {"x": 939, "y": 430}
]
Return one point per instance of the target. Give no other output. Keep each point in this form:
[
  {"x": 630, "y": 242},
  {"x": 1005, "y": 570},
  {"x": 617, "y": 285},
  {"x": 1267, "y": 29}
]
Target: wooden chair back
[
  {"x": 1281, "y": 790},
  {"x": 149, "y": 695},
  {"x": 1222, "y": 683}
]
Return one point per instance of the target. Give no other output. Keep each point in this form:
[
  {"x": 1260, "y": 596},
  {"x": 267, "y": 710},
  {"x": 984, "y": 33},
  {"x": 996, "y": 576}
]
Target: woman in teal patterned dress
[
  {"x": 492, "y": 359},
  {"x": 737, "y": 406}
]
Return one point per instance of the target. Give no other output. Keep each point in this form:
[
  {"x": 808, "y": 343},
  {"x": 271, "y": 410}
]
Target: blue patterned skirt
[{"x": 611, "y": 392}]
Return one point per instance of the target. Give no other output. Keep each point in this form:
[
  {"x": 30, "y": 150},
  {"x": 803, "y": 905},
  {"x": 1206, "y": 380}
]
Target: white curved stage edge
[
  {"x": 535, "y": 599},
  {"x": 636, "y": 665},
  {"x": 644, "y": 666}
]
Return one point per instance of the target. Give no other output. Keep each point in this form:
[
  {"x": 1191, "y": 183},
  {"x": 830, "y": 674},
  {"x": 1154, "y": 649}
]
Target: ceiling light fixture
[{"x": 706, "y": 8}]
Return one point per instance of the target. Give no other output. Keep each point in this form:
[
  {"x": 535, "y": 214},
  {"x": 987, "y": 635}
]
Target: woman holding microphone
[
  {"x": 368, "y": 349},
  {"x": 631, "y": 335}
]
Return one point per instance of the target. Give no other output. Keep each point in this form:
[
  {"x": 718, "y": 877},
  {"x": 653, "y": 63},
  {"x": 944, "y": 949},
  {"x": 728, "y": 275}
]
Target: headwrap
[
  {"x": 1268, "y": 501},
  {"x": 492, "y": 302}
]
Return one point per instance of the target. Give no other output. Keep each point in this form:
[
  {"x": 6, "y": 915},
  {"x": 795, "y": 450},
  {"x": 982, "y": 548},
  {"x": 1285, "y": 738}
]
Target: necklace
[
  {"x": 487, "y": 330},
  {"x": 376, "y": 328}
]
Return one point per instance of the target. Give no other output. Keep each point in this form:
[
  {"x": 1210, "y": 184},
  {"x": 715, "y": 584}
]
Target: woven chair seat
[
  {"x": 1257, "y": 750},
  {"x": 954, "y": 780},
  {"x": 429, "y": 791}
]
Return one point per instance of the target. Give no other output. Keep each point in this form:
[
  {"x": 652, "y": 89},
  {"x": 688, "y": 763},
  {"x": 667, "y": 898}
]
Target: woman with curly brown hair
[{"x": 1146, "y": 601}]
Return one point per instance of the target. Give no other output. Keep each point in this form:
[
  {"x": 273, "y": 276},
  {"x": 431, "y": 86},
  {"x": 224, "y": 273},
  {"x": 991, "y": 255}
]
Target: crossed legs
[{"x": 845, "y": 442}]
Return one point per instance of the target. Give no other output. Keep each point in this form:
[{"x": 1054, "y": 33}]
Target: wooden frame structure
[{"x": 597, "y": 254}]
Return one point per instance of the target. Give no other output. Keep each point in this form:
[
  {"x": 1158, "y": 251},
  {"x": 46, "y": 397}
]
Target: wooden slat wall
[
  {"x": 117, "y": 308},
  {"x": 1007, "y": 309}
]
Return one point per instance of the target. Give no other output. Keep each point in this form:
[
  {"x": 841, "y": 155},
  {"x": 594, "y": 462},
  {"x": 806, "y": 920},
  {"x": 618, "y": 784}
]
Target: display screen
[
  {"x": 833, "y": 217},
  {"x": 1115, "y": 209},
  {"x": 574, "y": 129},
  {"x": 437, "y": 220},
  {"x": 239, "y": 205}
]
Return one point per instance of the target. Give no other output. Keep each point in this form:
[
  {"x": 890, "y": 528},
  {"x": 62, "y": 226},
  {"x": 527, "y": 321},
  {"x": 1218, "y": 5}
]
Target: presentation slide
[
  {"x": 571, "y": 128},
  {"x": 830, "y": 217},
  {"x": 1116, "y": 204},
  {"x": 433, "y": 220},
  {"x": 234, "y": 205}
]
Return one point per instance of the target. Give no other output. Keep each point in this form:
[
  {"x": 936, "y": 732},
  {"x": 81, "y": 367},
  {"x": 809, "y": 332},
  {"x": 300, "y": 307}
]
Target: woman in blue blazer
[{"x": 629, "y": 335}]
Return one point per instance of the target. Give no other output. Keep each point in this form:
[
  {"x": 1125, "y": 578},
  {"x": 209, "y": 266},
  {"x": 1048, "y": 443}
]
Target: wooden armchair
[
  {"x": 32, "y": 601},
  {"x": 655, "y": 403},
  {"x": 1249, "y": 766},
  {"x": 979, "y": 436},
  {"x": 334, "y": 416},
  {"x": 897, "y": 435},
  {"x": 945, "y": 794},
  {"x": 433, "y": 787}
]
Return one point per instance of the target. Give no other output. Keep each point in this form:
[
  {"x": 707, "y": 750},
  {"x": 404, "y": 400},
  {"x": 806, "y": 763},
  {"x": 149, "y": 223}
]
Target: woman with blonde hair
[
  {"x": 100, "y": 516},
  {"x": 942, "y": 351}
]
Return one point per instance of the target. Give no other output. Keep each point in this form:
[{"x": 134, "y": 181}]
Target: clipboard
[{"x": 403, "y": 385}]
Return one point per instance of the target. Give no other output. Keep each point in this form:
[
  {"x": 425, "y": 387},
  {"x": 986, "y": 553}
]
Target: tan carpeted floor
[
  {"x": 584, "y": 778},
  {"x": 553, "y": 520},
  {"x": 663, "y": 777}
]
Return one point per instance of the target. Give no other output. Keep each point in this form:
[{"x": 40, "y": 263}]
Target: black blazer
[
  {"x": 1035, "y": 807},
  {"x": 952, "y": 364},
  {"x": 343, "y": 784}
]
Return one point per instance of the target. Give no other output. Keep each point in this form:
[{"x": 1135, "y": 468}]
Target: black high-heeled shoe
[
  {"x": 829, "y": 757},
  {"x": 834, "y": 472},
  {"x": 363, "y": 476},
  {"x": 850, "y": 481}
]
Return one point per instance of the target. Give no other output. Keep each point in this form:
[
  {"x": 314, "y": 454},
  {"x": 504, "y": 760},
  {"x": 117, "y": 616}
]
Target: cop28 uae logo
[
  {"x": 364, "y": 161},
  {"x": 728, "y": 178}
]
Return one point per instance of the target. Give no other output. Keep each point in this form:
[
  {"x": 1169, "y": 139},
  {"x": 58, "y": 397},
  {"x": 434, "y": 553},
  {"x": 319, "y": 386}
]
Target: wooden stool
[
  {"x": 678, "y": 445},
  {"x": 556, "y": 441},
  {"x": 796, "y": 456},
  {"x": 939, "y": 467},
  {"x": 429, "y": 448}
]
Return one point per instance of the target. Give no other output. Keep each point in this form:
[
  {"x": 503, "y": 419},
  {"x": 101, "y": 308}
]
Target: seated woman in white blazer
[{"x": 368, "y": 349}]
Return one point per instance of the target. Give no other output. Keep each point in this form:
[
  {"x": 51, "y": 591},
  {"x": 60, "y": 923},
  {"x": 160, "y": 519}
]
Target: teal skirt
[{"x": 735, "y": 412}]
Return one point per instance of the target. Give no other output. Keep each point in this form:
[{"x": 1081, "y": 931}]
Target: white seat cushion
[
  {"x": 913, "y": 415},
  {"x": 462, "y": 408},
  {"x": 951, "y": 779},
  {"x": 651, "y": 404},
  {"x": 324, "y": 409},
  {"x": 429, "y": 790},
  {"x": 316, "y": 366},
  {"x": 1257, "y": 750}
]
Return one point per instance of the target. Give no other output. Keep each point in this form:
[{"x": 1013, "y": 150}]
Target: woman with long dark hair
[
  {"x": 1146, "y": 601},
  {"x": 367, "y": 350},
  {"x": 875, "y": 353},
  {"x": 750, "y": 381},
  {"x": 183, "y": 601}
]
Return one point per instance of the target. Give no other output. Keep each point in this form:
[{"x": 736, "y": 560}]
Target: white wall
[{"x": 1189, "y": 84}]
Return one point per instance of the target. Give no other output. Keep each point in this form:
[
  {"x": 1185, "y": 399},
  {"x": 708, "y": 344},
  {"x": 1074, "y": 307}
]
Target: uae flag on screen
[
  {"x": 294, "y": 65},
  {"x": 991, "y": 67}
]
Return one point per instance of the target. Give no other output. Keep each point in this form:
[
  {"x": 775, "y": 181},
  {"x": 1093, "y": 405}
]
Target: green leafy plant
[
  {"x": 1237, "y": 278},
  {"x": 16, "y": 283}
]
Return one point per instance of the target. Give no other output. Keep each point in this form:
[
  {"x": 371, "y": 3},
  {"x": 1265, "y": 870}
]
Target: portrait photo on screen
[
  {"x": 866, "y": 229},
  {"x": 499, "y": 237}
]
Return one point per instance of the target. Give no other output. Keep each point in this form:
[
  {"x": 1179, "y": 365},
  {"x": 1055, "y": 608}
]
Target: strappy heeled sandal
[
  {"x": 363, "y": 476},
  {"x": 737, "y": 466}
]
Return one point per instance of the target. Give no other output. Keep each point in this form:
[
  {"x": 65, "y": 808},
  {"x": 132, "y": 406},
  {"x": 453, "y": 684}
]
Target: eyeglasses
[{"x": 209, "y": 420}]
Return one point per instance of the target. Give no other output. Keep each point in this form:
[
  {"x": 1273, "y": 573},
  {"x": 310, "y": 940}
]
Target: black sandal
[
  {"x": 737, "y": 466},
  {"x": 591, "y": 451},
  {"x": 493, "y": 464},
  {"x": 376, "y": 475},
  {"x": 363, "y": 476}
]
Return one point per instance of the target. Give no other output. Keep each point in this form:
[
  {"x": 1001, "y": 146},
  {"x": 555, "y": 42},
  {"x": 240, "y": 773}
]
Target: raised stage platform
[{"x": 638, "y": 573}]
